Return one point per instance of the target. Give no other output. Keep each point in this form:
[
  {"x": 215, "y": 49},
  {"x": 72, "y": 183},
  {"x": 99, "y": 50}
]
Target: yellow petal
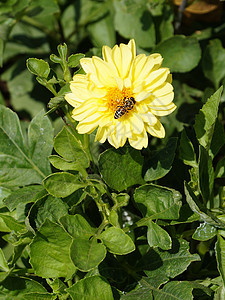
[
  {"x": 149, "y": 118},
  {"x": 163, "y": 110},
  {"x": 156, "y": 78},
  {"x": 136, "y": 123},
  {"x": 162, "y": 100},
  {"x": 102, "y": 134},
  {"x": 85, "y": 106},
  {"x": 157, "y": 130},
  {"x": 122, "y": 58},
  {"x": 84, "y": 114},
  {"x": 139, "y": 141},
  {"x": 132, "y": 46},
  {"x": 163, "y": 89},
  {"x": 73, "y": 100},
  {"x": 84, "y": 127},
  {"x": 104, "y": 72}
]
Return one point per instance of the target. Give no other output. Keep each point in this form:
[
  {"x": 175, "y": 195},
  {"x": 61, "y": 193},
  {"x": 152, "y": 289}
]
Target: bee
[{"x": 128, "y": 104}]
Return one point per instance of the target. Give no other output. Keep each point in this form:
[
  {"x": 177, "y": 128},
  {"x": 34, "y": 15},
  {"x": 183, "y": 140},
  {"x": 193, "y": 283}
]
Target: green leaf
[
  {"x": 160, "y": 162},
  {"x": 71, "y": 149},
  {"x": 19, "y": 287},
  {"x": 21, "y": 85},
  {"x": 175, "y": 290},
  {"x": 47, "y": 207},
  {"x": 180, "y": 54},
  {"x": 62, "y": 184},
  {"x": 220, "y": 256},
  {"x": 3, "y": 262},
  {"x": 77, "y": 226},
  {"x": 160, "y": 265},
  {"x": 220, "y": 169},
  {"x": 91, "y": 288},
  {"x": 19, "y": 166},
  {"x": 62, "y": 164},
  {"x": 12, "y": 224},
  {"x": 38, "y": 67},
  {"x": 121, "y": 168},
  {"x": 87, "y": 254},
  {"x": 24, "y": 195},
  {"x": 206, "y": 175},
  {"x": 74, "y": 59},
  {"x": 204, "y": 232},
  {"x": 130, "y": 20},
  {"x": 39, "y": 296},
  {"x": 142, "y": 292},
  {"x": 213, "y": 62},
  {"x": 199, "y": 209},
  {"x": 117, "y": 241},
  {"x": 102, "y": 32},
  {"x": 186, "y": 150},
  {"x": 4, "y": 193},
  {"x": 50, "y": 252},
  {"x": 218, "y": 138},
  {"x": 206, "y": 119},
  {"x": 158, "y": 237},
  {"x": 156, "y": 202}
]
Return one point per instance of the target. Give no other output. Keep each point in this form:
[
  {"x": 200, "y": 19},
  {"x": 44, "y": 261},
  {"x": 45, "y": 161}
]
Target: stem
[{"x": 101, "y": 227}]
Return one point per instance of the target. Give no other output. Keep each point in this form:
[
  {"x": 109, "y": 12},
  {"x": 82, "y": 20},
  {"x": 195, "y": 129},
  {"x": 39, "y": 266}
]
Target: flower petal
[
  {"x": 162, "y": 100},
  {"x": 157, "y": 130},
  {"x": 136, "y": 122},
  {"x": 163, "y": 110},
  {"x": 139, "y": 141},
  {"x": 156, "y": 78}
]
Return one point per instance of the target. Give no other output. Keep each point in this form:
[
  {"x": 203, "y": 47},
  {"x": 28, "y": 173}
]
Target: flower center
[{"x": 120, "y": 102}]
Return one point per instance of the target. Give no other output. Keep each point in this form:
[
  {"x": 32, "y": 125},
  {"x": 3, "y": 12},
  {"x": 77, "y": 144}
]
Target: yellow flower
[{"x": 124, "y": 95}]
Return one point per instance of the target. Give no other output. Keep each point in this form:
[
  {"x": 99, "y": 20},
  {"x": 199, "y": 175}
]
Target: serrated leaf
[
  {"x": 158, "y": 237},
  {"x": 121, "y": 168},
  {"x": 90, "y": 288},
  {"x": 160, "y": 265},
  {"x": 206, "y": 119},
  {"x": 38, "y": 67},
  {"x": 62, "y": 184},
  {"x": 21, "y": 166},
  {"x": 87, "y": 254},
  {"x": 117, "y": 241},
  {"x": 50, "y": 252},
  {"x": 156, "y": 202},
  {"x": 160, "y": 162},
  {"x": 180, "y": 53}
]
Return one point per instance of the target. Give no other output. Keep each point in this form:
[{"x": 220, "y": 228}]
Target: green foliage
[{"x": 80, "y": 220}]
